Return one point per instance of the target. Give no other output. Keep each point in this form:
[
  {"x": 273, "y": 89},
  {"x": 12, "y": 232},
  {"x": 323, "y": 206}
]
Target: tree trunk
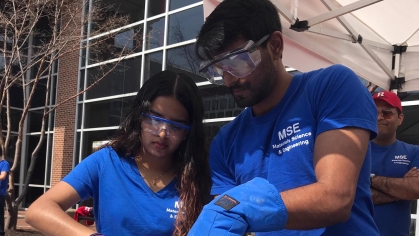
[{"x": 10, "y": 221}]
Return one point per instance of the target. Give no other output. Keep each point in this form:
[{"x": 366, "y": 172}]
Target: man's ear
[
  {"x": 401, "y": 118},
  {"x": 276, "y": 45}
]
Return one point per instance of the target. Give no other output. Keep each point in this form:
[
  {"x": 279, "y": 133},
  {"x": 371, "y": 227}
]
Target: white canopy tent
[{"x": 378, "y": 39}]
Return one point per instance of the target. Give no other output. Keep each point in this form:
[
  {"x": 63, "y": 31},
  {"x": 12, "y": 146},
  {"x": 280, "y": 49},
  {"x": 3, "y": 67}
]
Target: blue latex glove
[{"x": 255, "y": 206}]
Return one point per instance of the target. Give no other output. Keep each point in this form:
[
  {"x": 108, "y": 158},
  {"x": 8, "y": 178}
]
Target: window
[
  {"x": 156, "y": 7},
  {"x": 35, "y": 120},
  {"x": 183, "y": 60},
  {"x": 124, "y": 43},
  {"x": 134, "y": 9},
  {"x": 15, "y": 116},
  {"x": 152, "y": 64},
  {"x": 185, "y": 25},
  {"x": 222, "y": 103},
  {"x": 92, "y": 136},
  {"x": 155, "y": 33},
  {"x": 175, "y": 4},
  {"x": 106, "y": 113},
  {"x": 124, "y": 78},
  {"x": 211, "y": 129},
  {"x": 38, "y": 175}
]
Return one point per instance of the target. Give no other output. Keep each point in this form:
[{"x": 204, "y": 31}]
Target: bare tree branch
[{"x": 35, "y": 35}]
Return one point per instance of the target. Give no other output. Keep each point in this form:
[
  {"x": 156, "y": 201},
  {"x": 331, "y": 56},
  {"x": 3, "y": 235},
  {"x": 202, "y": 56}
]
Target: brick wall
[{"x": 65, "y": 115}]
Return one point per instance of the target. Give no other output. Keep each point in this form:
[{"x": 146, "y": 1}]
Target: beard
[{"x": 259, "y": 84}]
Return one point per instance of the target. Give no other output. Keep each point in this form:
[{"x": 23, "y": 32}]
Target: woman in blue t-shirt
[{"x": 153, "y": 178}]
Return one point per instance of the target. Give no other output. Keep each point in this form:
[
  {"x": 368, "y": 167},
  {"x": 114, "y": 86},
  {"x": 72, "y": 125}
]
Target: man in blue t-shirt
[
  {"x": 297, "y": 160},
  {"x": 4, "y": 184},
  {"x": 394, "y": 172}
]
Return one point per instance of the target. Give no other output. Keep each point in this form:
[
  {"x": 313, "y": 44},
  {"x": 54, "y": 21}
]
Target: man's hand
[
  {"x": 406, "y": 188},
  {"x": 414, "y": 172},
  {"x": 381, "y": 198}
]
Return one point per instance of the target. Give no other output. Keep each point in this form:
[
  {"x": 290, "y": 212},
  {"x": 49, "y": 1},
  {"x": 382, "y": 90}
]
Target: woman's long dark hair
[{"x": 190, "y": 159}]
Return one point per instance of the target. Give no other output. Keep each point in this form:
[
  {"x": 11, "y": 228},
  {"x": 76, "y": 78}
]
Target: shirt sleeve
[
  {"x": 84, "y": 178},
  {"x": 5, "y": 167},
  {"x": 221, "y": 174},
  {"x": 341, "y": 100}
]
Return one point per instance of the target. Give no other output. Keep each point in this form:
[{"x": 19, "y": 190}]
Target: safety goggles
[
  {"x": 155, "y": 125},
  {"x": 386, "y": 114},
  {"x": 239, "y": 62}
]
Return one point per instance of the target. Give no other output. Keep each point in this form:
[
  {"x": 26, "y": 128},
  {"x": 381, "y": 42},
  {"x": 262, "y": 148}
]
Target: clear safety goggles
[
  {"x": 239, "y": 62},
  {"x": 155, "y": 125}
]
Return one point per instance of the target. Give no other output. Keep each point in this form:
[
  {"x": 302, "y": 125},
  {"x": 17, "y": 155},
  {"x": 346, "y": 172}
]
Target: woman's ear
[{"x": 276, "y": 45}]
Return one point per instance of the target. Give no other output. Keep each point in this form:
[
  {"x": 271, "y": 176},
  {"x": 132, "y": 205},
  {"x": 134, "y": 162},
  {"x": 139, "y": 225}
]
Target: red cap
[{"x": 389, "y": 97}]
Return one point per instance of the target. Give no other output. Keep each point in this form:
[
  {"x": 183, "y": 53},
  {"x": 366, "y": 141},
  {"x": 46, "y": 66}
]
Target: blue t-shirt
[
  {"x": 4, "y": 184},
  {"x": 123, "y": 202},
  {"x": 279, "y": 145},
  {"x": 393, "y": 218}
]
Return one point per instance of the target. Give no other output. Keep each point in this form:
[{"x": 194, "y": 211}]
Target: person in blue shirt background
[
  {"x": 153, "y": 178},
  {"x": 394, "y": 172},
  {"x": 296, "y": 161},
  {"x": 4, "y": 185}
]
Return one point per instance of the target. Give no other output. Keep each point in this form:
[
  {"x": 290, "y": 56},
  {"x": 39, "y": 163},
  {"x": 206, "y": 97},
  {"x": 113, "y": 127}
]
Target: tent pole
[
  {"x": 413, "y": 49},
  {"x": 396, "y": 68},
  {"x": 340, "y": 11},
  {"x": 348, "y": 37},
  {"x": 358, "y": 38},
  {"x": 399, "y": 79},
  {"x": 301, "y": 26}
]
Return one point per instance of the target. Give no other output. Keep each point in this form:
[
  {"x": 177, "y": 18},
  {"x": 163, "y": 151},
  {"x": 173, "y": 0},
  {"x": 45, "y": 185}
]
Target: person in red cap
[{"x": 394, "y": 172}]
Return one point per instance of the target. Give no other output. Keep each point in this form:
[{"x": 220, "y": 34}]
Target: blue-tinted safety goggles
[{"x": 155, "y": 125}]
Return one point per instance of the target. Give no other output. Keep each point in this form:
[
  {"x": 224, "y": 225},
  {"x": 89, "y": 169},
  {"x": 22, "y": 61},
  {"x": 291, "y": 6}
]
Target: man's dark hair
[{"x": 234, "y": 19}]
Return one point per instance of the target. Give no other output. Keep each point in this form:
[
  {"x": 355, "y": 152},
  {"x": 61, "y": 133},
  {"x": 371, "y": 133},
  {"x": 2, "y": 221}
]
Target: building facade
[{"x": 169, "y": 29}]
